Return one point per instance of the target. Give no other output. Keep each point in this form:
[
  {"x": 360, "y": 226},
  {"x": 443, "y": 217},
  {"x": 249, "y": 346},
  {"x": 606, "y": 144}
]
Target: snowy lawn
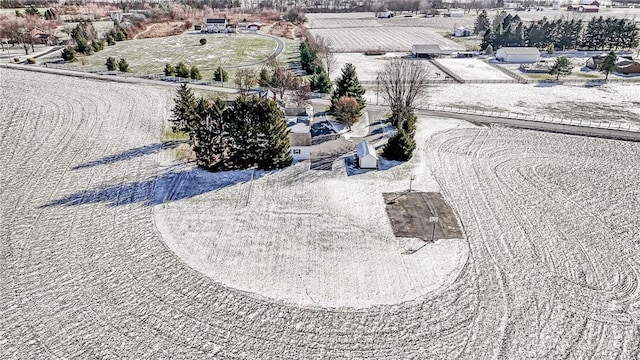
[
  {"x": 473, "y": 69},
  {"x": 367, "y": 67}
]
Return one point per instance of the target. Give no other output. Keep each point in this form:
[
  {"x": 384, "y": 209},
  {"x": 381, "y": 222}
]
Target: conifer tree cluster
[
  {"x": 247, "y": 132},
  {"x": 312, "y": 64},
  {"x": 598, "y": 34},
  {"x": 348, "y": 85},
  {"x": 182, "y": 70},
  {"x": 85, "y": 36}
]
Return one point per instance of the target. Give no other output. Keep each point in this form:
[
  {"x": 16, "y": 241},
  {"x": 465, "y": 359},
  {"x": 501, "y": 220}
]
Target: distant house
[
  {"x": 298, "y": 120},
  {"x": 254, "y": 26},
  {"x": 197, "y": 27},
  {"x": 461, "y": 32},
  {"x": 367, "y": 157},
  {"x": 594, "y": 62},
  {"x": 428, "y": 51},
  {"x": 216, "y": 25},
  {"x": 385, "y": 14},
  {"x": 584, "y": 8},
  {"x": 590, "y": 2},
  {"x": 518, "y": 54}
]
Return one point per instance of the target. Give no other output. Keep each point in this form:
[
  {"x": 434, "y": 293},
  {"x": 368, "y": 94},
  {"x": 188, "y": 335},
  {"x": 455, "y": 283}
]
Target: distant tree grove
[
  {"x": 597, "y": 34},
  {"x": 245, "y": 133}
]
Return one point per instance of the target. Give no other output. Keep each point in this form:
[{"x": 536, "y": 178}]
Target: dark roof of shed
[
  {"x": 295, "y": 111},
  {"x": 216, "y": 21},
  {"x": 300, "y": 139}
]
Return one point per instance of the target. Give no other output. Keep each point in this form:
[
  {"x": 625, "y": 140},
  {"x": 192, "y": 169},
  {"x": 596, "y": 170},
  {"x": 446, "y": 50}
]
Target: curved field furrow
[{"x": 550, "y": 219}]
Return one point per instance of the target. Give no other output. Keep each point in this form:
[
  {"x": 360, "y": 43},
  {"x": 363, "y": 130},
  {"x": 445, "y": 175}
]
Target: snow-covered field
[
  {"x": 367, "y": 67},
  {"x": 473, "y": 69},
  {"x": 89, "y": 211},
  {"x": 389, "y": 38},
  {"x": 350, "y": 20},
  {"x": 618, "y": 102}
]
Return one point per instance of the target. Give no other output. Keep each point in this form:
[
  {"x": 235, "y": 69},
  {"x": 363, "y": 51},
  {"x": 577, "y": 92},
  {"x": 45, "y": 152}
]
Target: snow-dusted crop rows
[
  {"x": 389, "y": 38},
  {"x": 551, "y": 220},
  {"x": 350, "y": 20}
]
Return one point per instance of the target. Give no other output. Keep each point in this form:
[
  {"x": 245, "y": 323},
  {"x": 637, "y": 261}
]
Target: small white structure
[
  {"x": 385, "y": 14},
  {"x": 518, "y": 54},
  {"x": 116, "y": 15},
  {"x": 461, "y": 32},
  {"x": 456, "y": 13},
  {"x": 367, "y": 157}
]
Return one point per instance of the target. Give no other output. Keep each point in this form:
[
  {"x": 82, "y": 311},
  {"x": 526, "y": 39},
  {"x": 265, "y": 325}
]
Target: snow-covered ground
[
  {"x": 473, "y": 69},
  {"x": 389, "y": 38},
  {"x": 367, "y": 67},
  {"x": 308, "y": 238}
]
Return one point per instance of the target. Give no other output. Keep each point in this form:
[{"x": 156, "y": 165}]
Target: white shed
[
  {"x": 518, "y": 54},
  {"x": 367, "y": 157}
]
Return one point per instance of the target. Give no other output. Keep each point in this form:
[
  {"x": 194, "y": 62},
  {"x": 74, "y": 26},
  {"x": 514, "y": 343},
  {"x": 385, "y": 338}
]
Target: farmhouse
[
  {"x": 254, "y": 26},
  {"x": 518, "y": 54},
  {"x": 216, "y": 25},
  {"x": 594, "y": 62},
  {"x": 367, "y": 157},
  {"x": 300, "y": 144},
  {"x": 428, "y": 51}
]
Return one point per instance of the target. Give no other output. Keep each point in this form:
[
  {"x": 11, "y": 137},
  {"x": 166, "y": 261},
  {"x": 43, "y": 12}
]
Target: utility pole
[
  {"x": 377, "y": 87},
  {"x": 411, "y": 178},
  {"x": 433, "y": 220}
]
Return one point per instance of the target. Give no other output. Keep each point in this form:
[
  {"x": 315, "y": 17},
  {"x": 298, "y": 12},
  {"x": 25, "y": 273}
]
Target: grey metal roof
[
  {"x": 300, "y": 139},
  {"x": 216, "y": 21},
  {"x": 525, "y": 50},
  {"x": 427, "y": 49}
]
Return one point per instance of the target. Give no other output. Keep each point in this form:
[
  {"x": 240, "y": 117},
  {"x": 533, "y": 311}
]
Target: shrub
[
  {"x": 203, "y": 41},
  {"x": 69, "y": 54},
  {"x": 123, "y": 66},
  {"x": 31, "y": 60},
  {"x": 111, "y": 64},
  {"x": 169, "y": 70},
  {"x": 182, "y": 70},
  {"x": 219, "y": 74},
  {"x": 194, "y": 73}
]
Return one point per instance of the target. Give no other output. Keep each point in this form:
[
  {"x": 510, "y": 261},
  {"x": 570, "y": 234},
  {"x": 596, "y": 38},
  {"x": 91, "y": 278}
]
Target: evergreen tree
[
  {"x": 274, "y": 150},
  {"x": 169, "y": 70},
  {"x": 32, "y": 10},
  {"x": 194, "y": 73},
  {"x": 562, "y": 67},
  {"x": 84, "y": 30},
  {"x": 308, "y": 57},
  {"x": 111, "y": 40},
  {"x": 123, "y": 65},
  {"x": 182, "y": 70},
  {"x": 264, "y": 79},
  {"x": 184, "y": 112},
  {"x": 400, "y": 147},
  {"x": 348, "y": 85},
  {"x": 69, "y": 54},
  {"x": 221, "y": 75},
  {"x": 112, "y": 63},
  {"x": 242, "y": 146},
  {"x": 608, "y": 64},
  {"x": 488, "y": 39},
  {"x": 482, "y": 23},
  {"x": 321, "y": 83}
]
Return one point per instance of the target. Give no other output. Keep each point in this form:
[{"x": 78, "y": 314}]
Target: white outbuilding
[
  {"x": 367, "y": 157},
  {"x": 518, "y": 54}
]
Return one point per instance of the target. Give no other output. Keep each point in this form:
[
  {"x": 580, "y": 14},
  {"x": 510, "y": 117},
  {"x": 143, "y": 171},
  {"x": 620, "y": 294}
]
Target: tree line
[
  {"x": 596, "y": 34},
  {"x": 225, "y": 135}
]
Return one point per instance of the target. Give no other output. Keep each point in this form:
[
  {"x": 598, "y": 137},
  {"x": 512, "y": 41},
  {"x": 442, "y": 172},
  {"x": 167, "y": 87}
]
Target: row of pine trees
[
  {"x": 597, "y": 34},
  {"x": 226, "y": 135}
]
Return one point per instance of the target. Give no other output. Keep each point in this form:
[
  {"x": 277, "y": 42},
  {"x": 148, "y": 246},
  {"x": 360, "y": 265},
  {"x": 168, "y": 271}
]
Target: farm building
[
  {"x": 594, "y": 62},
  {"x": 216, "y": 25},
  {"x": 518, "y": 54},
  {"x": 632, "y": 67},
  {"x": 254, "y": 26},
  {"x": 367, "y": 157},
  {"x": 428, "y": 51},
  {"x": 385, "y": 14},
  {"x": 584, "y": 8},
  {"x": 456, "y": 13},
  {"x": 461, "y": 32}
]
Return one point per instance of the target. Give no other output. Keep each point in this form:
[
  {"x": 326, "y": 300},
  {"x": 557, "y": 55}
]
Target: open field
[
  {"x": 91, "y": 211},
  {"x": 368, "y": 19},
  {"x": 367, "y": 67},
  {"x": 473, "y": 69},
  {"x": 580, "y": 71},
  {"x": 150, "y": 55},
  {"x": 393, "y": 39}
]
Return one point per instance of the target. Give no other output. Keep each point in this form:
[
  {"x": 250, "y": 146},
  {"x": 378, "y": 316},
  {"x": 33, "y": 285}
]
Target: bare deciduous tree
[
  {"x": 281, "y": 78},
  {"x": 325, "y": 54},
  {"x": 402, "y": 83},
  {"x": 245, "y": 79}
]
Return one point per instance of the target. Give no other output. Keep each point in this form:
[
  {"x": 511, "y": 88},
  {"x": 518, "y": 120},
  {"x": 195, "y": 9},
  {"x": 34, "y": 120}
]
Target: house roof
[
  {"x": 216, "y": 21},
  {"x": 364, "y": 148},
  {"x": 427, "y": 48},
  {"x": 295, "y": 111},
  {"x": 520, "y": 50},
  {"x": 300, "y": 139}
]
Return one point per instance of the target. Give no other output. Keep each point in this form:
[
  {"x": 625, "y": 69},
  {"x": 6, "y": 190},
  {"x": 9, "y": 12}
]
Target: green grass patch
[
  {"x": 151, "y": 55},
  {"x": 541, "y": 76},
  {"x": 170, "y": 135}
]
